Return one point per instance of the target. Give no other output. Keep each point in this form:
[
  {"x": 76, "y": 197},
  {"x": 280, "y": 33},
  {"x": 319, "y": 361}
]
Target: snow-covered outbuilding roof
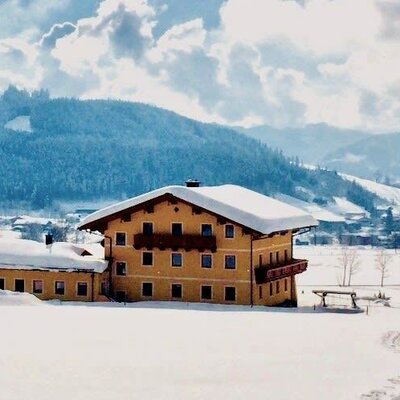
[
  {"x": 319, "y": 213},
  {"x": 243, "y": 206},
  {"x": 60, "y": 256}
]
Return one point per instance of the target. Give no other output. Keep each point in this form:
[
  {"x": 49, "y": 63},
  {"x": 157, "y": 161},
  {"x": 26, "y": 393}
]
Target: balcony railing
[
  {"x": 269, "y": 273},
  {"x": 164, "y": 241}
]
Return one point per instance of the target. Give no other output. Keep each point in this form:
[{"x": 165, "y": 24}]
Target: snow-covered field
[{"x": 186, "y": 351}]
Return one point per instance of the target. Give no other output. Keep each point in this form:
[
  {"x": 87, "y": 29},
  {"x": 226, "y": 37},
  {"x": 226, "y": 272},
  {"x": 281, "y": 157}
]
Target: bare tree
[
  {"x": 354, "y": 264},
  {"x": 349, "y": 261},
  {"x": 382, "y": 260}
]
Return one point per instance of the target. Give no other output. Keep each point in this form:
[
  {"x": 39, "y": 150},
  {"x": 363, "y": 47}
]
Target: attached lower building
[
  {"x": 61, "y": 271},
  {"x": 219, "y": 244}
]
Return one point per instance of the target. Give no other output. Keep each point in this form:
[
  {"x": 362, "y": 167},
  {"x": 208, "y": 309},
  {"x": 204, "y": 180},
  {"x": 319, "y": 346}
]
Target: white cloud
[
  {"x": 18, "y": 64},
  {"x": 279, "y": 62}
]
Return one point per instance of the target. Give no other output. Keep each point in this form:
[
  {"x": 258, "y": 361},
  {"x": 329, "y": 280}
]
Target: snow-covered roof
[
  {"x": 345, "y": 207},
  {"x": 319, "y": 213},
  {"x": 29, "y": 219},
  {"x": 28, "y": 254},
  {"x": 246, "y": 207}
]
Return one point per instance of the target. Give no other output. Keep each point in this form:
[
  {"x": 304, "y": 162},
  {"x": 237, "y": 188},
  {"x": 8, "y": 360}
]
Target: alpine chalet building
[{"x": 221, "y": 244}]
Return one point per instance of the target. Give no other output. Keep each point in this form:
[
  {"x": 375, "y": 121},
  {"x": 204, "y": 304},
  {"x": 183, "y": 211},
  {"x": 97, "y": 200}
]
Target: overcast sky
[{"x": 238, "y": 62}]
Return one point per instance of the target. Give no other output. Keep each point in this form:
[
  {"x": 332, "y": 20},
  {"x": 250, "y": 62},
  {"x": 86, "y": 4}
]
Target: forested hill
[{"x": 112, "y": 149}]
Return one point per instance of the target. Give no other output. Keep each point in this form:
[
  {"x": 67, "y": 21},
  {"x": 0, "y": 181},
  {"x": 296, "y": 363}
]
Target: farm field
[{"x": 192, "y": 351}]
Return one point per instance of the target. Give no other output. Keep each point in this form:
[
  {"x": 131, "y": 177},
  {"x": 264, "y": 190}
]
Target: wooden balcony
[
  {"x": 269, "y": 273},
  {"x": 164, "y": 241}
]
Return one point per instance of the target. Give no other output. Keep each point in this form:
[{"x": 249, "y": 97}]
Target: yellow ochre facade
[
  {"x": 50, "y": 285},
  {"x": 143, "y": 264}
]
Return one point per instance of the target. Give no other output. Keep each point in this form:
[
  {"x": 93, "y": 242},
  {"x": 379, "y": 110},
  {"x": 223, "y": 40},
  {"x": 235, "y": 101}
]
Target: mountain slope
[
  {"x": 389, "y": 193},
  {"x": 110, "y": 149},
  {"x": 375, "y": 157},
  {"x": 310, "y": 144}
]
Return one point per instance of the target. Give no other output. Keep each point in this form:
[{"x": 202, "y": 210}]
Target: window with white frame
[
  {"x": 230, "y": 293},
  {"x": 229, "y": 231},
  {"x": 37, "y": 286},
  {"x": 82, "y": 289},
  {"x": 206, "y": 230},
  {"x": 230, "y": 261},
  {"x": 177, "y": 229},
  {"x": 176, "y": 259},
  {"x": 120, "y": 268},
  {"x": 206, "y": 261},
  {"x": 147, "y": 289},
  {"x": 176, "y": 291},
  {"x": 59, "y": 287},
  {"x": 120, "y": 239},
  {"x": 148, "y": 228},
  {"x": 147, "y": 258},
  {"x": 206, "y": 292}
]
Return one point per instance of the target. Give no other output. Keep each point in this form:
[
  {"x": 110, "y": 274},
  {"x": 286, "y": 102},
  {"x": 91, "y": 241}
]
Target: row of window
[
  {"x": 277, "y": 257},
  {"x": 206, "y": 292},
  {"x": 176, "y": 230},
  {"x": 206, "y": 261},
  {"x": 38, "y": 287},
  {"x": 271, "y": 288}
]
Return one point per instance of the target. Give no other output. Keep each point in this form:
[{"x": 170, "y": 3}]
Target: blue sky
[{"x": 284, "y": 63}]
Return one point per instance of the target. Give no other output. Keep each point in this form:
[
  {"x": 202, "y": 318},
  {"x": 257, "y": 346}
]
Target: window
[
  {"x": 147, "y": 289},
  {"x": 286, "y": 285},
  {"x": 270, "y": 258},
  {"x": 206, "y": 292},
  {"x": 147, "y": 258},
  {"x": 286, "y": 255},
  {"x": 37, "y": 286},
  {"x": 81, "y": 289},
  {"x": 147, "y": 228},
  {"x": 229, "y": 231},
  {"x": 206, "y": 230},
  {"x": 277, "y": 257},
  {"x": 120, "y": 268},
  {"x": 277, "y": 287},
  {"x": 176, "y": 291},
  {"x": 59, "y": 287},
  {"x": 260, "y": 260},
  {"x": 2, "y": 283},
  {"x": 19, "y": 285},
  {"x": 176, "y": 229},
  {"x": 230, "y": 262},
  {"x": 176, "y": 259},
  {"x": 120, "y": 296},
  {"x": 120, "y": 239},
  {"x": 230, "y": 293},
  {"x": 271, "y": 289},
  {"x": 206, "y": 261},
  {"x": 260, "y": 292}
]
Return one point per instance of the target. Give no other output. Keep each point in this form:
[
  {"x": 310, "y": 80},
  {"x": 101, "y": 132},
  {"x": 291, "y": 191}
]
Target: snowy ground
[{"x": 181, "y": 351}]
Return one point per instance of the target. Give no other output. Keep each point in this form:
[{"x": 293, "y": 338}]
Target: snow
[
  {"x": 324, "y": 267},
  {"x": 389, "y": 193},
  {"x": 29, "y": 219},
  {"x": 319, "y": 213},
  {"x": 8, "y": 298},
  {"x": 185, "y": 351},
  {"x": 28, "y": 254},
  {"x": 345, "y": 207},
  {"x": 22, "y": 123},
  {"x": 254, "y": 210}
]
